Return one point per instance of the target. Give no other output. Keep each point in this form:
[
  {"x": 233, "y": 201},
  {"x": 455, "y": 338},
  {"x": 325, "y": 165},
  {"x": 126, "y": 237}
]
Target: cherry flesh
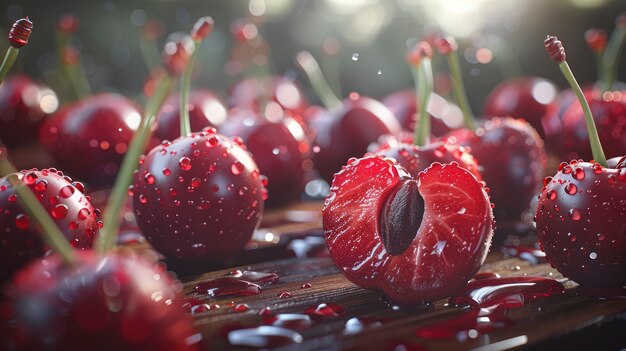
[
  {"x": 200, "y": 196},
  {"x": 347, "y": 131},
  {"x": 111, "y": 302},
  {"x": 21, "y": 239},
  {"x": 279, "y": 147},
  {"x": 512, "y": 159},
  {"x": 23, "y": 106},
  {"x": 403, "y": 105},
  {"x": 524, "y": 97},
  {"x": 206, "y": 109},
  {"x": 390, "y": 232},
  {"x": 89, "y": 138},
  {"x": 248, "y": 93},
  {"x": 581, "y": 222}
]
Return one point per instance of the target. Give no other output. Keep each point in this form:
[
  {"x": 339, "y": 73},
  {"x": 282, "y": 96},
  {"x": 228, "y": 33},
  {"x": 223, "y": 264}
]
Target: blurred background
[{"x": 360, "y": 43}]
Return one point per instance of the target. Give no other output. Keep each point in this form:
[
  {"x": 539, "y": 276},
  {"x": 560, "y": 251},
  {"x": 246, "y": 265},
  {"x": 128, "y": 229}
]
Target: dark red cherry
[
  {"x": 512, "y": 159},
  {"x": 89, "y": 138},
  {"x": 20, "y": 238},
  {"x": 523, "y": 97},
  {"x": 279, "y": 147},
  {"x": 415, "y": 239},
  {"x": 23, "y": 105},
  {"x": 403, "y": 105},
  {"x": 347, "y": 131},
  {"x": 206, "y": 109},
  {"x": 581, "y": 222},
  {"x": 111, "y": 302},
  {"x": 198, "y": 196},
  {"x": 247, "y": 94}
]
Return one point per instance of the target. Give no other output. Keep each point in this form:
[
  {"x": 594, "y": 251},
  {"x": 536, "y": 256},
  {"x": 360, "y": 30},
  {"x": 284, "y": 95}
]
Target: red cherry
[
  {"x": 527, "y": 97},
  {"x": 512, "y": 157},
  {"x": 89, "y": 138},
  {"x": 23, "y": 105},
  {"x": 279, "y": 147},
  {"x": 390, "y": 232},
  {"x": 21, "y": 239},
  {"x": 112, "y": 302},
  {"x": 403, "y": 105},
  {"x": 348, "y": 130},
  {"x": 198, "y": 196},
  {"x": 206, "y": 109},
  {"x": 581, "y": 222},
  {"x": 247, "y": 94}
]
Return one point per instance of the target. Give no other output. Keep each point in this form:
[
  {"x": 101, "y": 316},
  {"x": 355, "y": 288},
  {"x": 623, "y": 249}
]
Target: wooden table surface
[{"x": 290, "y": 245}]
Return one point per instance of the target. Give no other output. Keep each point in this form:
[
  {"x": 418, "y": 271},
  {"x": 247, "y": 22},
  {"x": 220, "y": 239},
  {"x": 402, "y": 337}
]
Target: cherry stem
[
  {"x": 312, "y": 70},
  {"x": 459, "y": 89},
  {"x": 74, "y": 71},
  {"x": 611, "y": 55},
  {"x": 594, "y": 139},
  {"x": 7, "y": 63},
  {"x": 51, "y": 233},
  {"x": 138, "y": 143},
  {"x": 185, "y": 82},
  {"x": 423, "y": 77}
]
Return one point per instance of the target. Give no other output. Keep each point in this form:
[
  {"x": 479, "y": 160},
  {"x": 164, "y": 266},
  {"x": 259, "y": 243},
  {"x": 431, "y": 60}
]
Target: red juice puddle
[
  {"x": 254, "y": 277},
  {"x": 193, "y": 306},
  {"x": 531, "y": 254},
  {"x": 324, "y": 310},
  {"x": 489, "y": 301},
  {"x": 222, "y": 287},
  {"x": 357, "y": 325},
  {"x": 265, "y": 336}
]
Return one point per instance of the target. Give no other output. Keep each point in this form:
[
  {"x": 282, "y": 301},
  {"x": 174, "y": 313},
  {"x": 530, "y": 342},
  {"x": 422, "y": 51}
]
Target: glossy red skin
[
  {"x": 19, "y": 246},
  {"x": 115, "y": 302},
  {"x": 85, "y": 137},
  {"x": 20, "y": 109},
  {"x": 278, "y": 147},
  {"x": 351, "y": 218},
  {"x": 571, "y": 244},
  {"x": 512, "y": 158},
  {"x": 417, "y": 158},
  {"x": 198, "y": 222},
  {"x": 520, "y": 98},
  {"x": 347, "y": 132},
  {"x": 610, "y": 120},
  {"x": 206, "y": 109},
  {"x": 246, "y": 94},
  {"x": 403, "y": 105}
]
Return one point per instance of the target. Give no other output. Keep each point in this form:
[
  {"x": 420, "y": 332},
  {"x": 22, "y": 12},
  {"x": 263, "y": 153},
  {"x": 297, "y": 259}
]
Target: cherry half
[
  {"x": 21, "y": 239},
  {"x": 89, "y": 138},
  {"x": 279, "y": 146},
  {"x": 98, "y": 302},
  {"x": 415, "y": 239},
  {"x": 24, "y": 104}
]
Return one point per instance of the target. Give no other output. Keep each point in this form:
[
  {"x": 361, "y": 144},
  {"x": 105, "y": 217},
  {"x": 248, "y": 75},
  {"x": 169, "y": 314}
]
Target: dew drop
[
  {"x": 571, "y": 188},
  {"x": 184, "y": 163},
  {"x": 143, "y": 199},
  {"x": 149, "y": 178},
  {"x": 574, "y": 214},
  {"x": 578, "y": 174},
  {"x": 30, "y": 178},
  {"x": 66, "y": 192},
  {"x": 59, "y": 211},
  {"x": 551, "y": 194},
  {"x": 355, "y": 56},
  {"x": 196, "y": 182},
  {"x": 22, "y": 221},
  {"x": 166, "y": 171},
  {"x": 237, "y": 168},
  {"x": 83, "y": 213},
  {"x": 593, "y": 255}
]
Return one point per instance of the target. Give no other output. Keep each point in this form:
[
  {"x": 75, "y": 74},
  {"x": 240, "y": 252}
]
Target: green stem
[
  {"x": 112, "y": 214},
  {"x": 611, "y": 55},
  {"x": 75, "y": 73},
  {"x": 459, "y": 90},
  {"x": 594, "y": 139},
  {"x": 323, "y": 91},
  {"x": 52, "y": 235},
  {"x": 423, "y": 77},
  {"x": 185, "y": 83},
  {"x": 7, "y": 63}
]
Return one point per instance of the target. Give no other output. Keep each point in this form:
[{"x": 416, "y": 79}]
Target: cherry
[
  {"x": 581, "y": 218},
  {"x": 509, "y": 151},
  {"x": 98, "y": 302},
  {"x": 249, "y": 93},
  {"x": 89, "y": 138},
  {"x": 206, "y": 109},
  {"x": 279, "y": 147},
  {"x": 390, "y": 232},
  {"x": 23, "y": 105},
  {"x": 523, "y": 97},
  {"x": 345, "y": 128},
  {"x": 64, "y": 200}
]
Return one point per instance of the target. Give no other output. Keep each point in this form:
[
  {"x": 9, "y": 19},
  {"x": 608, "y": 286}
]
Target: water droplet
[
  {"x": 12, "y": 198},
  {"x": 461, "y": 210},
  {"x": 149, "y": 178},
  {"x": 355, "y": 56},
  {"x": 59, "y": 211},
  {"x": 571, "y": 188},
  {"x": 275, "y": 151},
  {"x": 67, "y": 191},
  {"x": 380, "y": 72},
  {"x": 184, "y": 163},
  {"x": 551, "y": 194},
  {"x": 196, "y": 182},
  {"x": 237, "y": 168},
  {"x": 22, "y": 221},
  {"x": 284, "y": 295},
  {"x": 578, "y": 173},
  {"x": 242, "y": 307},
  {"x": 143, "y": 199},
  {"x": 212, "y": 141},
  {"x": 83, "y": 213},
  {"x": 305, "y": 286},
  {"x": 166, "y": 171},
  {"x": 30, "y": 178},
  {"x": 574, "y": 214},
  {"x": 593, "y": 255}
]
